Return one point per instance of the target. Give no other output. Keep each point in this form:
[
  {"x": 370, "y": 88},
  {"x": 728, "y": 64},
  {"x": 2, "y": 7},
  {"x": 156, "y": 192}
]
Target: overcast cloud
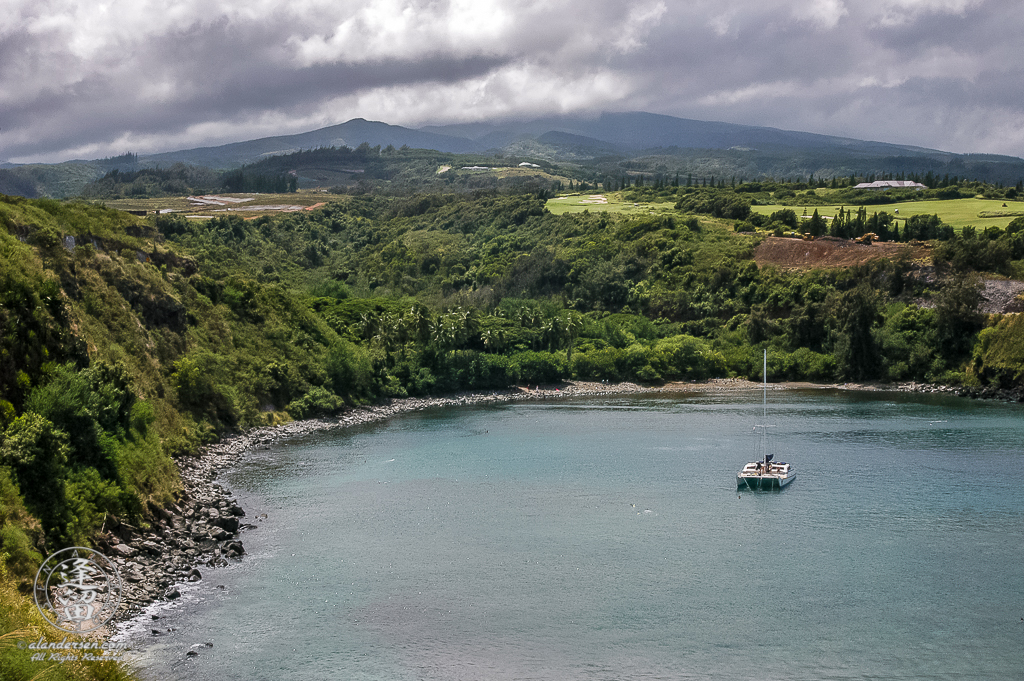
[{"x": 91, "y": 79}]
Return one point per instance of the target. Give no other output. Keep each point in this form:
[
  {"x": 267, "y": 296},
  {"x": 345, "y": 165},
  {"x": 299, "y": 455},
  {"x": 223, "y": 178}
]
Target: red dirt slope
[{"x": 828, "y": 252}]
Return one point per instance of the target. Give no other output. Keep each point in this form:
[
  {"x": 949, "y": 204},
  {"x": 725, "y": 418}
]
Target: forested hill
[
  {"x": 608, "y": 145},
  {"x": 126, "y": 343}
]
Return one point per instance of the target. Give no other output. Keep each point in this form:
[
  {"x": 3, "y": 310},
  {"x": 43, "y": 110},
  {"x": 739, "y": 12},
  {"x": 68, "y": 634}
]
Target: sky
[{"x": 90, "y": 79}]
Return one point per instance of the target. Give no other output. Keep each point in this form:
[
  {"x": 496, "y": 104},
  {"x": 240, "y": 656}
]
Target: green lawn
[
  {"x": 606, "y": 202},
  {"x": 959, "y": 213}
]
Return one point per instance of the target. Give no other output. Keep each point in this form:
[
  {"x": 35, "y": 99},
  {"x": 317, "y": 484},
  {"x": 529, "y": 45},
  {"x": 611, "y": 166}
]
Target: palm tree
[
  {"x": 488, "y": 337},
  {"x": 572, "y": 324},
  {"x": 388, "y": 337},
  {"x": 448, "y": 331},
  {"x": 493, "y": 339},
  {"x": 552, "y": 330},
  {"x": 529, "y": 319},
  {"x": 368, "y": 327},
  {"x": 470, "y": 322},
  {"x": 418, "y": 323}
]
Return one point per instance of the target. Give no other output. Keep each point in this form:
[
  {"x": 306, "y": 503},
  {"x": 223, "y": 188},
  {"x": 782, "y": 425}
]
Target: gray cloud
[{"x": 76, "y": 81}]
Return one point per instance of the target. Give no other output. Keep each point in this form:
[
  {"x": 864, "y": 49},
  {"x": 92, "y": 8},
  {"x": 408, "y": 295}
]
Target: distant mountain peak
[
  {"x": 628, "y": 132},
  {"x": 601, "y": 139}
]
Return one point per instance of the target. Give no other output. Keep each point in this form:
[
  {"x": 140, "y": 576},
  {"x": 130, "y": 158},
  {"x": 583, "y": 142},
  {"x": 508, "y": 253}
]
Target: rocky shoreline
[
  {"x": 1002, "y": 394},
  {"x": 199, "y": 532},
  {"x": 202, "y": 530}
]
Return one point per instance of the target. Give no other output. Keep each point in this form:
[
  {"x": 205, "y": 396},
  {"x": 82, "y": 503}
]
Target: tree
[
  {"x": 957, "y": 319},
  {"x": 855, "y": 314},
  {"x": 816, "y": 225},
  {"x": 921, "y": 227},
  {"x": 838, "y": 226},
  {"x": 786, "y": 216},
  {"x": 417, "y": 323},
  {"x": 759, "y": 326},
  {"x": 552, "y": 330},
  {"x": 494, "y": 339},
  {"x": 348, "y": 370},
  {"x": 37, "y": 453},
  {"x": 572, "y": 323}
]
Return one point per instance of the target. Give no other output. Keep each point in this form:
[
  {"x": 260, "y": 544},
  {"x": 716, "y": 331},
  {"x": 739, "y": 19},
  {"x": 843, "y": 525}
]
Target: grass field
[
  {"x": 958, "y": 213},
  {"x": 607, "y": 202},
  {"x": 302, "y": 199}
]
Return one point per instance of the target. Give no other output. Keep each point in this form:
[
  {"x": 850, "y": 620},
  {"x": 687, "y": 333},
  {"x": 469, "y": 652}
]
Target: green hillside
[
  {"x": 58, "y": 180},
  {"x": 129, "y": 342}
]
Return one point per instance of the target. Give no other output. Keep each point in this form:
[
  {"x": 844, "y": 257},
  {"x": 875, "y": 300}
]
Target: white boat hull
[{"x": 756, "y": 482}]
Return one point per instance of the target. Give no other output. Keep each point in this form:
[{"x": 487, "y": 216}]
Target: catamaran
[{"x": 764, "y": 473}]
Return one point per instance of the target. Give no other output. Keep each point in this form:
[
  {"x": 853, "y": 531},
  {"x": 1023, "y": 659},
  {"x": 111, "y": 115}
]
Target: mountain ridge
[
  {"x": 680, "y": 145},
  {"x": 626, "y": 132}
]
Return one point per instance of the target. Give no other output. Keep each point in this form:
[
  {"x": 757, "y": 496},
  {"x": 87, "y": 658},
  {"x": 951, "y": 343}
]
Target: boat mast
[
  {"x": 764, "y": 403},
  {"x": 764, "y": 377}
]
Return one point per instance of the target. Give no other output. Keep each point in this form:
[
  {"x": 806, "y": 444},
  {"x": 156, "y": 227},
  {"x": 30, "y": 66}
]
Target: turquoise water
[{"x": 605, "y": 539}]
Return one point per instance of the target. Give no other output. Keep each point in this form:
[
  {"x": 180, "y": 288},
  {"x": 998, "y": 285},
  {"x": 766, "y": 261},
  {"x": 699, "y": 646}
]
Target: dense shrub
[
  {"x": 36, "y": 453},
  {"x": 317, "y": 402}
]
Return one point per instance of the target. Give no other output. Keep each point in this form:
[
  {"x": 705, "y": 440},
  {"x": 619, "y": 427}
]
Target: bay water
[{"x": 605, "y": 539}]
